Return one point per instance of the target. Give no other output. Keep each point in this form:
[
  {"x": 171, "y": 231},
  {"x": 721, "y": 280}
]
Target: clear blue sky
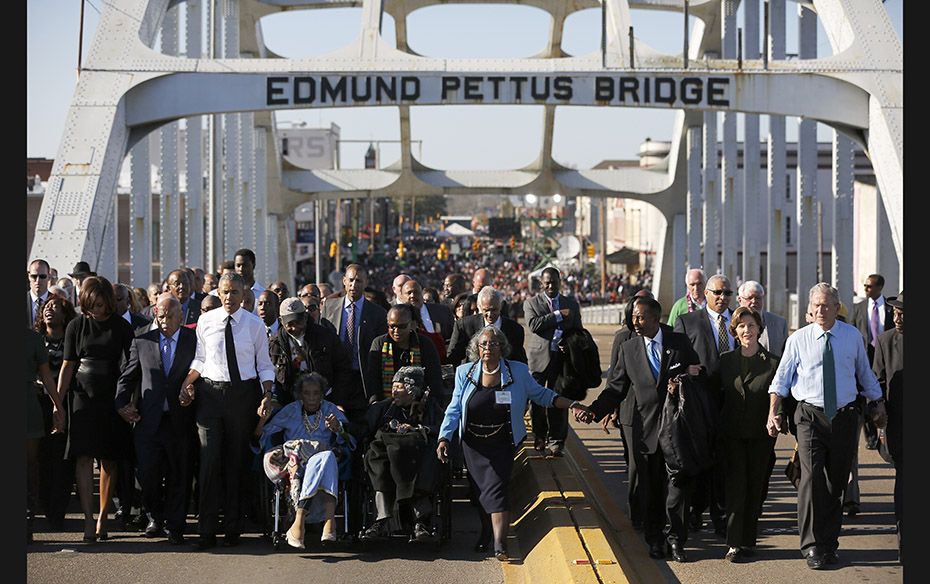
[{"x": 466, "y": 137}]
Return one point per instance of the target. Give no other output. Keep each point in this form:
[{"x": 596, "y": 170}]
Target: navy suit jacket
[{"x": 142, "y": 376}]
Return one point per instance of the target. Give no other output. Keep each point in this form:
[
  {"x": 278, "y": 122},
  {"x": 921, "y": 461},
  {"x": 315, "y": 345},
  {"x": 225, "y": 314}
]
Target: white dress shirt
[
  {"x": 427, "y": 321},
  {"x": 251, "y": 341},
  {"x": 726, "y": 324},
  {"x": 880, "y": 302}
]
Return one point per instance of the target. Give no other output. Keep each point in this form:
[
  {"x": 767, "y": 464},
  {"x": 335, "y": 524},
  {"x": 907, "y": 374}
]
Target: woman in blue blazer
[{"x": 487, "y": 409}]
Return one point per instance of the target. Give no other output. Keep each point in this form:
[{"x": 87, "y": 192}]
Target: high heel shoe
[{"x": 294, "y": 542}]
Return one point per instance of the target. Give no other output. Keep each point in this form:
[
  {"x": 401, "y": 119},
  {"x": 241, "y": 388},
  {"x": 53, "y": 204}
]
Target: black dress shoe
[
  {"x": 852, "y": 509},
  {"x": 695, "y": 523},
  {"x": 831, "y": 557},
  {"x": 231, "y": 540},
  {"x": 539, "y": 445},
  {"x": 677, "y": 552},
  {"x": 175, "y": 538},
  {"x": 154, "y": 529},
  {"x": 872, "y": 443},
  {"x": 814, "y": 559},
  {"x": 656, "y": 551},
  {"x": 500, "y": 551},
  {"x": 205, "y": 542}
]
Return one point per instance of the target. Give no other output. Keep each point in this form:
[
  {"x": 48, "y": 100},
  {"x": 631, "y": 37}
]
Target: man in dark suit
[
  {"x": 549, "y": 314},
  {"x": 708, "y": 329},
  {"x": 367, "y": 321},
  {"x": 181, "y": 286},
  {"x": 38, "y": 274},
  {"x": 626, "y": 417},
  {"x": 452, "y": 286},
  {"x": 436, "y": 318},
  {"x": 490, "y": 302},
  {"x": 872, "y": 317},
  {"x": 888, "y": 366},
  {"x": 645, "y": 364},
  {"x": 164, "y": 433},
  {"x": 139, "y": 323}
]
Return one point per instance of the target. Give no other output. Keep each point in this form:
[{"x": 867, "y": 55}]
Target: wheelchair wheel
[{"x": 276, "y": 541}]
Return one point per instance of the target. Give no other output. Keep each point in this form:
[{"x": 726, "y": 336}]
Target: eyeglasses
[
  {"x": 277, "y": 290},
  {"x": 725, "y": 292},
  {"x": 398, "y": 326},
  {"x": 38, "y": 276},
  {"x": 302, "y": 294},
  {"x": 489, "y": 344}
]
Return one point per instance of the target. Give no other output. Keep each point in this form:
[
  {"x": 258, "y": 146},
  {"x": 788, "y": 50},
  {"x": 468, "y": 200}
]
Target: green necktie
[{"x": 829, "y": 380}]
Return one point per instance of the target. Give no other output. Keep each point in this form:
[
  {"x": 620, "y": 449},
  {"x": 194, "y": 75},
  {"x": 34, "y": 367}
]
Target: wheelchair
[
  {"x": 440, "y": 526},
  {"x": 277, "y": 509}
]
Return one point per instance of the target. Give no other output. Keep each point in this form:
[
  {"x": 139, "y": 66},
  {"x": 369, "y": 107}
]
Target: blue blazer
[{"x": 515, "y": 378}]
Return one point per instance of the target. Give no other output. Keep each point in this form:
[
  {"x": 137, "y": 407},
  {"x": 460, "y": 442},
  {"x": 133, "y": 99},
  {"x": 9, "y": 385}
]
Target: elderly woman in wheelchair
[
  {"x": 315, "y": 440},
  {"x": 402, "y": 432}
]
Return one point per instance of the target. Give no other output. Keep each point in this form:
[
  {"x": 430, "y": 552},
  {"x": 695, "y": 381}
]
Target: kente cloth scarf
[{"x": 387, "y": 364}]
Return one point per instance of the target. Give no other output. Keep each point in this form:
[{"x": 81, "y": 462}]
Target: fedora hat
[
  {"x": 82, "y": 270},
  {"x": 897, "y": 301}
]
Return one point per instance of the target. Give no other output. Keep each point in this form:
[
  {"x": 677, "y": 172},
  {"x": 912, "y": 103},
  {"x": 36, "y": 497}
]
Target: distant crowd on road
[{"x": 205, "y": 388}]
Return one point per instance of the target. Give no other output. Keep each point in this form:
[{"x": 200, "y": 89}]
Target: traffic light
[
  {"x": 513, "y": 242},
  {"x": 590, "y": 249},
  {"x": 400, "y": 250},
  {"x": 333, "y": 248},
  {"x": 475, "y": 245},
  {"x": 442, "y": 253}
]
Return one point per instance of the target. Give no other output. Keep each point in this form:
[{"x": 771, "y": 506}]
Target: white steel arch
[{"x": 127, "y": 89}]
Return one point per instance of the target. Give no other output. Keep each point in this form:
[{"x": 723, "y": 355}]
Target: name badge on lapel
[{"x": 503, "y": 397}]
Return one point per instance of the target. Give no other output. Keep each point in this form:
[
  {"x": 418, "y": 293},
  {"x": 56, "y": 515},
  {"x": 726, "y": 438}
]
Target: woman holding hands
[{"x": 487, "y": 407}]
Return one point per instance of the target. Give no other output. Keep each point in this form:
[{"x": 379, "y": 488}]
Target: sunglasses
[
  {"x": 38, "y": 276},
  {"x": 725, "y": 292},
  {"x": 398, "y": 326},
  {"x": 489, "y": 344}
]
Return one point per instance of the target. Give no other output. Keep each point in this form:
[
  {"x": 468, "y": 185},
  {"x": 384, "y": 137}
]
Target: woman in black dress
[
  {"x": 96, "y": 345},
  {"x": 487, "y": 409}
]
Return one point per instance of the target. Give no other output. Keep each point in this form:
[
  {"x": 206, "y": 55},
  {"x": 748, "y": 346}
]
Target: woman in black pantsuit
[
  {"x": 96, "y": 345},
  {"x": 744, "y": 376}
]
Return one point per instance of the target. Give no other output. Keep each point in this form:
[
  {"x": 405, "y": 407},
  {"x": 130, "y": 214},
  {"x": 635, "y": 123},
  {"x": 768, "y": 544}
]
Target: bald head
[
  {"x": 209, "y": 302},
  {"x": 397, "y": 285},
  {"x": 480, "y": 279},
  {"x": 248, "y": 299}
]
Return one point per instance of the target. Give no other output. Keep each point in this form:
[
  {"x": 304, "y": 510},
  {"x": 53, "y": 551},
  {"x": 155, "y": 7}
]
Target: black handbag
[
  {"x": 883, "y": 450},
  {"x": 793, "y": 468}
]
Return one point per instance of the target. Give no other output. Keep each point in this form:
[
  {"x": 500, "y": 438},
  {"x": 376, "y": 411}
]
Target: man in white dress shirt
[{"x": 235, "y": 376}]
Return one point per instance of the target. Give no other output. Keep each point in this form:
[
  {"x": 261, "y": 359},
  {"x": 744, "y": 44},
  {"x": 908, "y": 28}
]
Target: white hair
[
  {"x": 491, "y": 294},
  {"x": 825, "y": 289},
  {"x": 751, "y": 285},
  {"x": 699, "y": 271}
]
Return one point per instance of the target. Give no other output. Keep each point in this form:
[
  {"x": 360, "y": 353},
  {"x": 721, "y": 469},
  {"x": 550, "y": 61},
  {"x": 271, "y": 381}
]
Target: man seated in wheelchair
[
  {"x": 400, "y": 460},
  {"x": 315, "y": 441}
]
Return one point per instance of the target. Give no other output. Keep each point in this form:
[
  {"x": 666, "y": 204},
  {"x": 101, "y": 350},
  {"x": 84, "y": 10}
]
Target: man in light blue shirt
[{"x": 820, "y": 368}]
